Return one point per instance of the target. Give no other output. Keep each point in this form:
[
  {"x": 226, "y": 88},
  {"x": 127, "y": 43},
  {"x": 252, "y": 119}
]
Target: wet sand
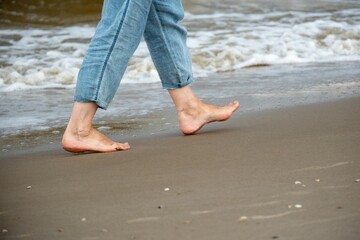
[{"x": 276, "y": 174}]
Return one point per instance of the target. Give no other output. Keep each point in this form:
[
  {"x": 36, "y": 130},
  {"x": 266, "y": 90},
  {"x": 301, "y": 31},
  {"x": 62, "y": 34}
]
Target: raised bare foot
[
  {"x": 195, "y": 116},
  {"x": 91, "y": 140}
]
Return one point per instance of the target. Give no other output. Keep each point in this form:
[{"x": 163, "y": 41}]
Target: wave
[{"x": 219, "y": 42}]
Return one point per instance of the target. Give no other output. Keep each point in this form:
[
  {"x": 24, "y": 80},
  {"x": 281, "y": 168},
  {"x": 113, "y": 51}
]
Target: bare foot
[
  {"x": 80, "y": 136},
  {"x": 90, "y": 141},
  {"x": 194, "y": 117}
]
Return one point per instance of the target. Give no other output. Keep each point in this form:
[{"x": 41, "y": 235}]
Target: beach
[
  {"x": 291, "y": 173},
  {"x": 285, "y": 166}
]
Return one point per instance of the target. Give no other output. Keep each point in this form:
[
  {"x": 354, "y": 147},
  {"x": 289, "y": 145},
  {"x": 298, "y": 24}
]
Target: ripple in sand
[
  {"x": 144, "y": 219},
  {"x": 322, "y": 167},
  {"x": 264, "y": 217},
  {"x": 202, "y": 212}
]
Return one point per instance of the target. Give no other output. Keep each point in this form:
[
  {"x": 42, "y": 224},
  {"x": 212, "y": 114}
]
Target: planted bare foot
[
  {"x": 198, "y": 114},
  {"x": 91, "y": 140}
]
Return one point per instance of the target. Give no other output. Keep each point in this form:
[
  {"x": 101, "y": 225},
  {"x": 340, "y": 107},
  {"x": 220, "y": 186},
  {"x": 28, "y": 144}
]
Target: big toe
[
  {"x": 121, "y": 146},
  {"x": 234, "y": 105}
]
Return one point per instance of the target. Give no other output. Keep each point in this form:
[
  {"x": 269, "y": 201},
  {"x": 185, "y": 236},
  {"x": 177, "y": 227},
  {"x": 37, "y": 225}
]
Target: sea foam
[{"x": 219, "y": 42}]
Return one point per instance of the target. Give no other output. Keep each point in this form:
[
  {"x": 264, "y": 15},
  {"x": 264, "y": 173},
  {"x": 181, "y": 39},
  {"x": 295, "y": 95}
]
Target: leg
[
  {"x": 116, "y": 38},
  {"x": 166, "y": 40}
]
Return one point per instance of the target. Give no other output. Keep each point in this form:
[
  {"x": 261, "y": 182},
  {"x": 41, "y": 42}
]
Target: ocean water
[{"x": 247, "y": 44}]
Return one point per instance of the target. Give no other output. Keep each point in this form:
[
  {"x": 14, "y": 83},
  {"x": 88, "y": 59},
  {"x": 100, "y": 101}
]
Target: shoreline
[
  {"x": 291, "y": 172},
  {"x": 155, "y": 124},
  {"x": 29, "y": 121}
]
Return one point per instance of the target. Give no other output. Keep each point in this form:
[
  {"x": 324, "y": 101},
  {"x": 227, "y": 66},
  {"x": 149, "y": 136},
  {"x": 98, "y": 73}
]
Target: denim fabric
[{"x": 116, "y": 38}]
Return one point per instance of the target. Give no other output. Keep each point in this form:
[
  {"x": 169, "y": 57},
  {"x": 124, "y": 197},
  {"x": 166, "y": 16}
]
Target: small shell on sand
[
  {"x": 4, "y": 231},
  {"x": 317, "y": 180},
  {"x": 298, "y": 182},
  {"x": 298, "y": 206},
  {"x": 28, "y": 187},
  {"x": 83, "y": 219},
  {"x": 166, "y": 189},
  {"x": 243, "y": 218},
  {"x": 357, "y": 180}
]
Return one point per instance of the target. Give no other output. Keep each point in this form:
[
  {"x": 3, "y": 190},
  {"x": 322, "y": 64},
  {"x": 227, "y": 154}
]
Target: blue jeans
[{"x": 116, "y": 38}]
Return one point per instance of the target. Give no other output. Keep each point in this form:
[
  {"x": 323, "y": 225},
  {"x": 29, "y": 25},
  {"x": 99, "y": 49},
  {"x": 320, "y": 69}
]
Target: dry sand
[{"x": 280, "y": 174}]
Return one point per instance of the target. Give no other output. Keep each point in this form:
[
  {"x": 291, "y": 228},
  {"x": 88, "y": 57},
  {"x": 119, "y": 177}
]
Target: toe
[
  {"x": 234, "y": 104},
  {"x": 122, "y": 146}
]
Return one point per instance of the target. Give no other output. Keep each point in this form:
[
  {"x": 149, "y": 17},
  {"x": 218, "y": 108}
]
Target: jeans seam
[
  {"x": 166, "y": 41},
  {"x": 111, "y": 49}
]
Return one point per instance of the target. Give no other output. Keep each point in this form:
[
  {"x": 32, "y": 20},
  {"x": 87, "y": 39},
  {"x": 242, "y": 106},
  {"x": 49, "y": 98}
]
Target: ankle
[
  {"x": 78, "y": 129},
  {"x": 83, "y": 131},
  {"x": 80, "y": 123},
  {"x": 189, "y": 105},
  {"x": 184, "y": 98}
]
